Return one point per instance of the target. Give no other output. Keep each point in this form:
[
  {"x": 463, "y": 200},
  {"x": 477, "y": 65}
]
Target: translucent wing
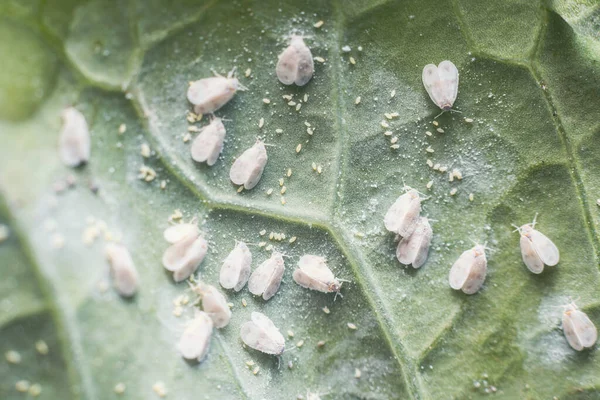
[
  {"x": 236, "y": 268},
  {"x": 441, "y": 83},
  {"x": 193, "y": 257},
  {"x": 415, "y": 248},
  {"x": 275, "y": 279},
  {"x": 403, "y": 215},
  {"x": 449, "y": 78},
  {"x": 313, "y": 273},
  {"x": 247, "y": 168},
  {"x": 545, "y": 248},
  {"x": 305, "y": 63},
  {"x": 215, "y": 305},
  {"x": 175, "y": 233},
  {"x": 476, "y": 275},
  {"x": 209, "y": 143},
  {"x": 195, "y": 341},
  {"x": 425, "y": 235},
  {"x": 287, "y": 66},
  {"x": 459, "y": 273},
  {"x": 256, "y": 172},
  {"x": 530, "y": 256},
  {"x": 261, "y": 334},
  {"x": 265, "y": 279},
  {"x": 184, "y": 256},
  {"x": 569, "y": 331},
  {"x": 316, "y": 267},
  {"x": 584, "y": 328}
]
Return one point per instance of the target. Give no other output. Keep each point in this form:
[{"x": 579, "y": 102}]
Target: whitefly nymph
[
  {"x": 469, "y": 271},
  {"x": 313, "y": 273},
  {"x": 441, "y": 83},
  {"x": 295, "y": 64},
  {"x": 209, "y": 94},
  {"x": 579, "y": 330},
  {"x": 260, "y": 333},
  {"x": 537, "y": 249}
]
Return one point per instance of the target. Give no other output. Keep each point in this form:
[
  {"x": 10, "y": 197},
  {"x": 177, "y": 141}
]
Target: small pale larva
[
  {"x": 207, "y": 146},
  {"x": 235, "y": 270},
  {"x": 74, "y": 143},
  {"x": 295, "y": 64},
  {"x": 313, "y": 273},
  {"x": 403, "y": 215},
  {"x": 415, "y": 248},
  {"x": 122, "y": 270},
  {"x": 261, "y": 334},
  {"x": 265, "y": 279},
  {"x": 209, "y": 94},
  {"x": 579, "y": 330},
  {"x": 214, "y": 304},
  {"x": 441, "y": 83},
  {"x": 248, "y": 168},
  {"x": 468, "y": 272},
  {"x": 536, "y": 249},
  {"x": 195, "y": 341},
  {"x": 186, "y": 252}
]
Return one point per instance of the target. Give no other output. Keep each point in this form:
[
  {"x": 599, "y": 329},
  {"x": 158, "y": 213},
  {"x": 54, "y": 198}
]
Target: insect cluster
[{"x": 188, "y": 247}]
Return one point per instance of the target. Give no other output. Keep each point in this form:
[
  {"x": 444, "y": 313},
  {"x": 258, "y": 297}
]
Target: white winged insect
[
  {"x": 441, "y": 83},
  {"x": 468, "y": 272},
  {"x": 74, "y": 142},
  {"x": 186, "y": 252},
  {"x": 579, "y": 330},
  {"x": 209, "y": 94},
  {"x": 214, "y": 304},
  {"x": 195, "y": 341},
  {"x": 536, "y": 249},
  {"x": 260, "y": 333},
  {"x": 402, "y": 217},
  {"x": 313, "y": 273},
  {"x": 295, "y": 64},
  {"x": 235, "y": 270},
  {"x": 414, "y": 249},
  {"x": 207, "y": 146},
  {"x": 122, "y": 269},
  {"x": 265, "y": 279},
  {"x": 248, "y": 168}
]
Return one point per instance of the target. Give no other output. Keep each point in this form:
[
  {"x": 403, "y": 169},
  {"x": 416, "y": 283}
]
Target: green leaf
[{"x": 528, "y": 79}]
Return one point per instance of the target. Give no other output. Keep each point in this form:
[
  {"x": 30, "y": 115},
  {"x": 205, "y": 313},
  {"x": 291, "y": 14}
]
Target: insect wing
[
  {"x": 122, "y": 269},
  {"x": 261, "y": 334},
  {"x": 215, "y": 305},
  {"x": 287, "y": 65},
  {"x": 209, "y": 143},
  {"x": 195, "y": 341},
  {"x": 530, "y": 256},
  {"x": 459, "y": 273},
  {"x": 175, "y": 233},
  {"x": 545, "y": 248},
  {"x": 236, "y": 268}
]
